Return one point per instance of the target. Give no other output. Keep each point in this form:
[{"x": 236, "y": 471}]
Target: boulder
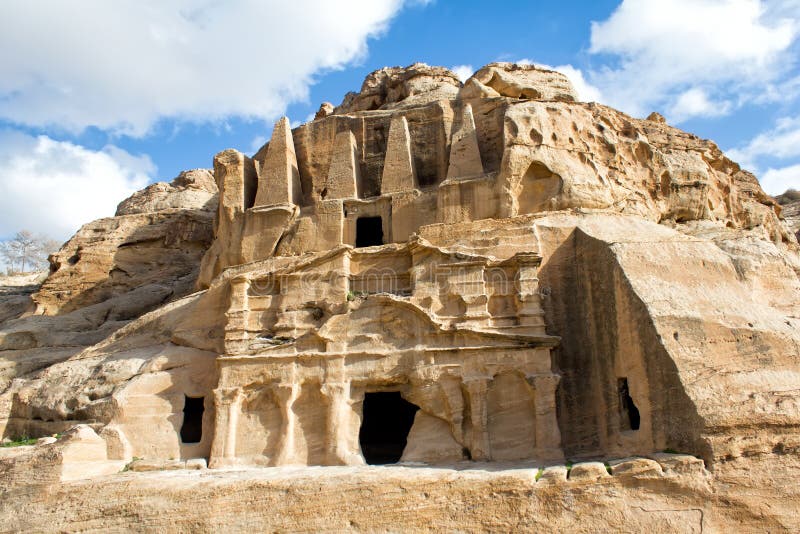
[
  {"x": 193, "y": 189},
  {"x": 526, "y": 82},
  {"x": 390, "y": 87}
]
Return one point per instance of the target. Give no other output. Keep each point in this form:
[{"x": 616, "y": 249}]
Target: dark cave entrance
[
  {"x": 629, "y": 413},
  {"x": 385, "y": 425},
  {"x": 192, "y": 427},
  {"x": 369, "y": 231}
]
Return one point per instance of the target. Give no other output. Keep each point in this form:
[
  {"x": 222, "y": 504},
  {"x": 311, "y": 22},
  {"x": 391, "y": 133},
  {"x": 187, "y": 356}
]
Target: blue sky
[{"x": 134, "y": 91}]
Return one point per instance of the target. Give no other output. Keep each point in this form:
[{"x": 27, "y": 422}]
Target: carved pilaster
[
  {"x": 529, "y": 306},
  {"x": 340, "y": 444},
  {"x": 548, "y": 436},
  {"x": 454, "y": 399},
  {"x": 477, "y": 390},
  {"x": 236, "y": 317},
  {"x": 286, "y": 395},
  {"x": 227, "y": 406}
]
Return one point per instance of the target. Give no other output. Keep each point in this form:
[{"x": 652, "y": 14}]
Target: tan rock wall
[
  {"x": 110, "y": 257},
  {"x": 80, "y": 385},
  {"x": 566, "y": 155},
  {"x": 666, "y": 311},
  {"x": 659, "y": 497},
  {"x": 193, "y": 189},
  {"x": 679, "y": 335},
  {"x": 492, "y": 155}
]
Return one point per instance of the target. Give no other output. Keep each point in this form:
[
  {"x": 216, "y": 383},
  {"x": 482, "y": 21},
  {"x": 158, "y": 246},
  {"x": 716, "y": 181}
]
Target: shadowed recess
[
  {"x": 629, "y": 411},
  {"x": 385, "y": 426},
  {"x": 192, "y": 427},
  {"x": 369, "y": 232}
]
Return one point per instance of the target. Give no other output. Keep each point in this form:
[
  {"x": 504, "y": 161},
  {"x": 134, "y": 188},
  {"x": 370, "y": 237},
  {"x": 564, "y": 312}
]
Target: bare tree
[{"x": 26, "y": 252}]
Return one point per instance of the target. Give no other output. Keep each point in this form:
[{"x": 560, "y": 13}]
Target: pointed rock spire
[
  {"x": 344, "y": 171},
  {"x": 465, "y": 156},
  {"x": 399, "y": 173},
  {"x": 279, "y": 182}
]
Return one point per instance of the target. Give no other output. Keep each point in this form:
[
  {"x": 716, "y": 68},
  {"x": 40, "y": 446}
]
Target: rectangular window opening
[
  {"x": 369, "y": 231},
  {"x": 192, "y": 427}
]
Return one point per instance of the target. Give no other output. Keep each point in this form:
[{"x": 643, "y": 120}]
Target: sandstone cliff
[
  {"x": 541, "y": 279},
  {"x": 790, "y": 203},
  {"x": 112, "y": 271}
]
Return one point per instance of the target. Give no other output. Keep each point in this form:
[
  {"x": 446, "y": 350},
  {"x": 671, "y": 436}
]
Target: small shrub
[
  {"x": 353, "y": 295},
  {"x": 128, "y": 465},
  {"x": 569, "y": 467},
  {"x": 539, "y": 474},
  {"x": 19, "y": 442}
]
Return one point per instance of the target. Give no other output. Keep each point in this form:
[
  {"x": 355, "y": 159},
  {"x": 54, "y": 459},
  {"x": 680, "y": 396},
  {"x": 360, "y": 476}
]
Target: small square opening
[
  {"x": 369, "y": 231},
  {"x": 629, "y": 413},
  {"x": 192, "y": 427}
]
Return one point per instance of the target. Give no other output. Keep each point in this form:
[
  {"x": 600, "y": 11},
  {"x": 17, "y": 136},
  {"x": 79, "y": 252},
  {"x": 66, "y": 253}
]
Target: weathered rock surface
[
  {"x": 79, "y": 453},
  {"x": 193, "y": 189},
  {"x": 391, "y": 87},
  {"x": 154, "y": 243},
  {"x": 156, "y": 252},
  {"x": 699, "y": 299},
  {"x": 512, "y": 277},
  {"x": 790, "y": 204},
  {"x": 527, "y": 82},
  {"x": 112, "y": 271},
  {"x": 15, "y": 293},
  {"x": 461, "y": 497}
]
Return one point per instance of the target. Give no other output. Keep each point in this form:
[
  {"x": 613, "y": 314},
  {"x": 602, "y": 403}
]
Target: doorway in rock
[
  {"x": 385, "y": 425},
  {"x": 369, "y": 231},
  {"x": 192, "y": 427},
  {"x": 629, "y": 413}
]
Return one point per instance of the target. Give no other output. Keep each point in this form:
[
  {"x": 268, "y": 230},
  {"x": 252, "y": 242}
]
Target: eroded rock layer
[{"x": 431, "y": 273}]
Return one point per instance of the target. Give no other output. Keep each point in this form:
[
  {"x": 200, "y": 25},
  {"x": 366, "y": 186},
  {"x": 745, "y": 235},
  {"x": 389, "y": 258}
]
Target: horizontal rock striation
[{"x": 468, "y": 279}]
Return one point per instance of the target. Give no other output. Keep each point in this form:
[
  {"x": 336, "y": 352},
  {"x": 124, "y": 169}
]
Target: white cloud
[
  {"x": 695, "y": 103},
  {"x": 257, "y": 142},
  {"x": 777, "y": 181},
  {"x": 665, "y": 50},
  {"x": 781, "y": 142},
  {"x": 464, "y": 72},
  {"x": 586, "y": 91},
  {"x": 124, "y": 65},
  {"x": 53, "y": 187}
]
